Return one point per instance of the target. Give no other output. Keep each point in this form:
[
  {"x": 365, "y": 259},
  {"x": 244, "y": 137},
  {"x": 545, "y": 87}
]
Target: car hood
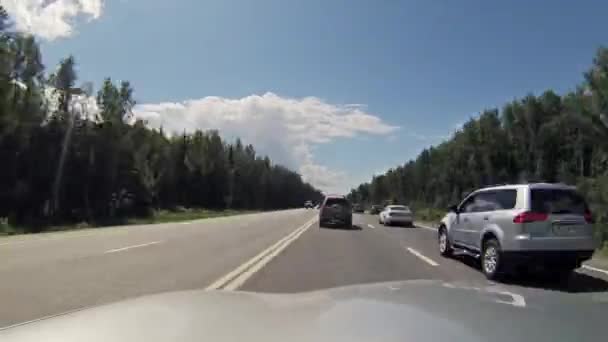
[{"x": 395, "y": 311}]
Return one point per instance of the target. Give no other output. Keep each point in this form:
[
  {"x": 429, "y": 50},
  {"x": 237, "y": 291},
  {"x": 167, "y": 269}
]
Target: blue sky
[{"x": 422, "y": 66}]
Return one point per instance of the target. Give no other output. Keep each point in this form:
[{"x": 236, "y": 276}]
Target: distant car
[
  {"x": 357, "y": 208},
  {"x": 375, "y": 209},
  {"x": 531, "y": 226},
  {"x": 308, "y": 205},
  {"x": 335, "y": 211},
  {"x": 396, "y": 214}
]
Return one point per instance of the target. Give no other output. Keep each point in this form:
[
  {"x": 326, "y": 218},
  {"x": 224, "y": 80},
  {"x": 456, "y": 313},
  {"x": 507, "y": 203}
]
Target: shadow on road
[
  {"x": 402, "y": 226},
  {"x": 354, "y": 227},
  {"x": 578, "y": 282}
]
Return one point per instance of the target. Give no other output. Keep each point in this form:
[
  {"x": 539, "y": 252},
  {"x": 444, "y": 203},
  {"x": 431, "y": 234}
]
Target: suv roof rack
[
  {"x": 497, "y": 184},
  {"x": 522, "y": 183}
]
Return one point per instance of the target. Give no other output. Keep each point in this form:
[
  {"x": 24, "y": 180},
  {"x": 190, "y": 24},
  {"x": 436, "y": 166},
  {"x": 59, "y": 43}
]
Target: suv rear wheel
[
  {"x": 445, "y": 249},
  {"x": 491, "y": 259}
]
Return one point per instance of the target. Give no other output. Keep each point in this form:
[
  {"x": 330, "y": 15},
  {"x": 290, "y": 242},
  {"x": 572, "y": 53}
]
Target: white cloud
[
  {"x": 287, "y": 129},
  {"x": 51, "y": 19}
]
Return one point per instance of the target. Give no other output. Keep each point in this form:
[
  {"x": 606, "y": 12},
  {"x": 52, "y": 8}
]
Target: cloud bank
[
  {"x": 286, "y": 129},
  {"x": 51, "y": 19}
]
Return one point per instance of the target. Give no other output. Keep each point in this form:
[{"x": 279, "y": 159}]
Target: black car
[{"x": 336, "y": 211}]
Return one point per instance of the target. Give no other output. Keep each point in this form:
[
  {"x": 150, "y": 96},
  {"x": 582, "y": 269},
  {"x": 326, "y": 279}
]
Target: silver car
[
  {"x": 532, "y": 226},
  {"x": 396, "y": 214}
]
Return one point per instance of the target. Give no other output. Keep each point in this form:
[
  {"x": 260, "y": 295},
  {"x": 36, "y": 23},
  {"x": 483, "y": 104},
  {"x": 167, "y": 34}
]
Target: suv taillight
[
  {"x": 589, "y": 216},
  {"x": 529, "y": 216}
]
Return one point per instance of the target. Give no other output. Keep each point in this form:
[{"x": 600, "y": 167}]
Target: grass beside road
[
  {"x": 429, "y": 214},
  {"x": 166, "y": 216},
  {"x": 161, "y": 216}
]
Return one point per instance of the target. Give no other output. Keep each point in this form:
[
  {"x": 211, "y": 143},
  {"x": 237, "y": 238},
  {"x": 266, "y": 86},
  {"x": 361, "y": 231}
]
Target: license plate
[{"x": 566, "y": 230}]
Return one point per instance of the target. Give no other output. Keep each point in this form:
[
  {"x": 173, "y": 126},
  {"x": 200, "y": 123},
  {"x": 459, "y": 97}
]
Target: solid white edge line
[
  {"x": 422, "y": 257},
  {"x": 70, "y": 234},
  {"x": 131, "y": 247},
  {"x": 230, "y": 276},
  {"x": 33, "y": 239},
  {"x": 371, "y": 226},
  {"x": 594, "y": 269},
  {"x": 12, "y": 243},
  {"x": 425, "y": 227}
]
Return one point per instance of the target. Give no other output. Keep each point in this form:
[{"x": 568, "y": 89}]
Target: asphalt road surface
[{"x": 286, "y": 251}]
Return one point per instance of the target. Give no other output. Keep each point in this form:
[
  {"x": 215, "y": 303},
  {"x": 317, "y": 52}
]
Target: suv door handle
[
  {"x": 485, "y": 218},
  {"x": 465, "y": 219}
]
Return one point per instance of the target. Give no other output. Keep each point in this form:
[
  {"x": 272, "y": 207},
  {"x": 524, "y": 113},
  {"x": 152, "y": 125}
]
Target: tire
[
  {"x": 491, "y": 259},
  {"x": 445, "y": 248}
]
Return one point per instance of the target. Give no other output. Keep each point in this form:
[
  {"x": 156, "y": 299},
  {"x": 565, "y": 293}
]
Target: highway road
[{"x": 48, "y": 274}]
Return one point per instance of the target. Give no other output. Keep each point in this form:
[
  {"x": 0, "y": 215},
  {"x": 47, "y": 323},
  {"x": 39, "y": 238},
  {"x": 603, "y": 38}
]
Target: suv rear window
[
  {"x": 557, "y": 201},
  {"x": 333, "y": 201}
]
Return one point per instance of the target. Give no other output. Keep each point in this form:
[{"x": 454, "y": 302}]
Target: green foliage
[
  {"x": 596, "y": 192},
  {"x": 62, "y": 166},
  {"x": 6, "y": 228},
  {"x": 163, "y": 216},
  {"x": 538, "y": 138},
  {"x": 430, "y": 215}
]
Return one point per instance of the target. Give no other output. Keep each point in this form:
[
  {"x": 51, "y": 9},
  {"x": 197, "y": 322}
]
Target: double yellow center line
[{"x": 236, "y": 278}]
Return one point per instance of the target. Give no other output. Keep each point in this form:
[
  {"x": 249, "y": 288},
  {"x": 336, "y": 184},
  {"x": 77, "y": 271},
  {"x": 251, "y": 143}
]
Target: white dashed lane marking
[
  {"x": 422, "y": 257},
  {"x": 131, "y": 247}
]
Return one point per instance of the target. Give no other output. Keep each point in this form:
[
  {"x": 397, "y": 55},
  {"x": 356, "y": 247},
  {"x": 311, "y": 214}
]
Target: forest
[
  {"x": 61, "y": 162},
  {"x": 547, "y": 137}
]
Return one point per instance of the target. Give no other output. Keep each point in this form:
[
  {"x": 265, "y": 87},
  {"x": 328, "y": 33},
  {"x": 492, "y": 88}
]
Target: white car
[{"x": 396, "y": 214}]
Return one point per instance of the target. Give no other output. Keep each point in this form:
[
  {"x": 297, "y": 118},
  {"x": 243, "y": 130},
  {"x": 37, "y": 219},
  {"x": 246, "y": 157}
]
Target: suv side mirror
[{"x": 453, "y": 208}]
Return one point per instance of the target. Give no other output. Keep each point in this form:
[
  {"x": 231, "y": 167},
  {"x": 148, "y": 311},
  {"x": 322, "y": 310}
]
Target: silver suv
[{"x": 509, "y": 227}]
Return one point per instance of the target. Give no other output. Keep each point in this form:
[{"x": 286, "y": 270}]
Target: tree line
[
  {"x": 549, "y": 138},
  {"x": 61, "y": 162}
]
